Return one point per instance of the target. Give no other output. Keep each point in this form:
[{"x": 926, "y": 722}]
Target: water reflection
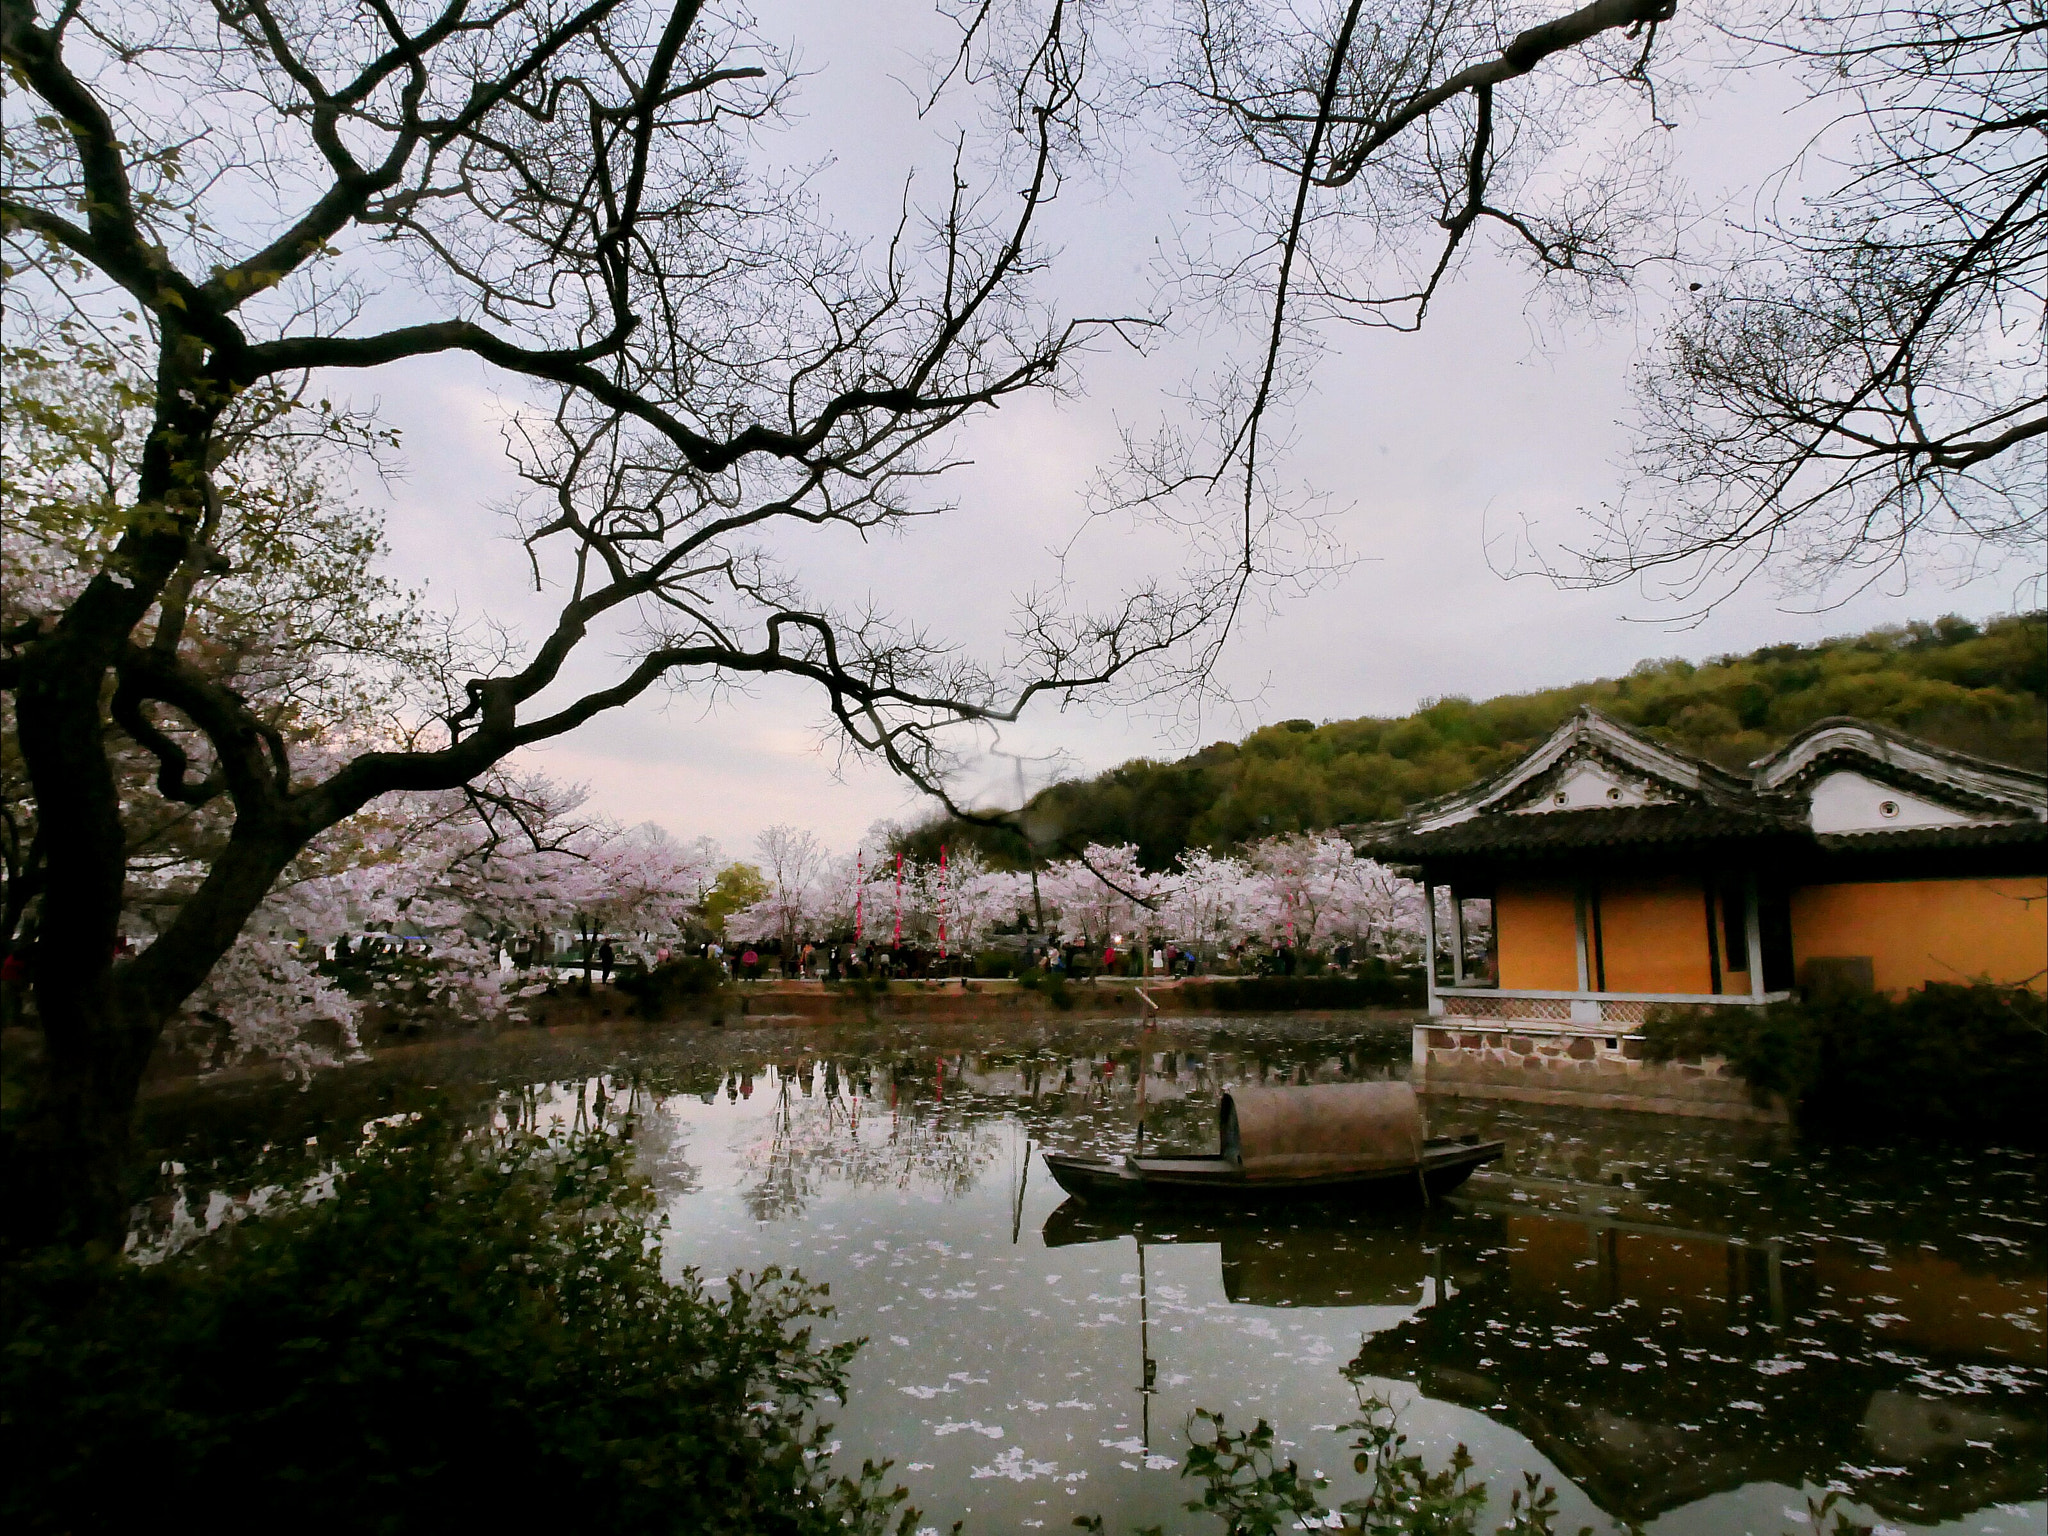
[
  {"x": 816, "y": 1139},
  {"x": 1658, "y": 1364},
  {"x": 1687, "y": 1323},
  {"x": 1305, "y": 1259}
]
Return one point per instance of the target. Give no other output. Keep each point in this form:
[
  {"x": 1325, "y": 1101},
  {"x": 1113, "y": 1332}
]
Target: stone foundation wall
[{"x": 1592, "y": 1068}]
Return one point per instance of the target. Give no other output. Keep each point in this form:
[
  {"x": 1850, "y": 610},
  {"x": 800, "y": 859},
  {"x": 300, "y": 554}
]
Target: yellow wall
[
  {"x": 1653, "y": 935},
  {"x": 1537, "y": 934},
  {"x": 1654, "y": 932},
  {"x": 1917, "y": 931}
]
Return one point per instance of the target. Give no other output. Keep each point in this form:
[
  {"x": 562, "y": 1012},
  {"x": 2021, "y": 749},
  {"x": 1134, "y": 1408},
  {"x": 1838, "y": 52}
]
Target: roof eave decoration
[
  {"x": 1588, "y": 734},
  {"x": 1973, "y": 783},
  {"x": 1696, "y": 801}
]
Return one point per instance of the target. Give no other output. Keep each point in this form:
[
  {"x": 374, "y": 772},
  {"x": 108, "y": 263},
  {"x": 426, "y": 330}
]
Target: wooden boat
[{"x": 1328, "y": 1140}]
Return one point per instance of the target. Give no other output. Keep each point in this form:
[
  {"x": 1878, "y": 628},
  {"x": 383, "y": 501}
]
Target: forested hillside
[{"x": 1982, "y": 689}]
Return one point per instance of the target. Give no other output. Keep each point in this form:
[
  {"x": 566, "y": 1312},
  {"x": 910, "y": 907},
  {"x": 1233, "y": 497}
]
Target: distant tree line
[{"x": 1981, "y": 689}]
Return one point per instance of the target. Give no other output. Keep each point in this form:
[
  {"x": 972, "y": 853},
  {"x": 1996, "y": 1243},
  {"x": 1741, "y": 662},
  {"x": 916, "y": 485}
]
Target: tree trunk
[
  {"x": 70, "y": 1145},
  {"x": 71, "y": 1152}
]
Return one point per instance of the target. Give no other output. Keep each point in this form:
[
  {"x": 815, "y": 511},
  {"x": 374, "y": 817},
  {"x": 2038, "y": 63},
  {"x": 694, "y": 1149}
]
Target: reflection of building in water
[
  {"x": 1274, "y": 1264},
  {"x": 1656, "y": 1365}
]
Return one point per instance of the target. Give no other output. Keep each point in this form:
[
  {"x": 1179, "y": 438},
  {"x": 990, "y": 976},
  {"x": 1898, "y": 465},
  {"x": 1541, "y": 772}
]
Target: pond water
[{"x": 1687, "y": 1325}]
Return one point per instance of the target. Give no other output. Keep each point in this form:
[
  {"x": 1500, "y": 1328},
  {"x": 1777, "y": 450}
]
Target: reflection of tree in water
[
  {"x": 250, "y": 1135},
  {"x": 193, "y": 1200},
  {"x": 835, "y": 1123},
  {"x": 622, "y": 1106},
  {"x": 659, "y": 1140},
  {"x": 894, "y": 1119}
]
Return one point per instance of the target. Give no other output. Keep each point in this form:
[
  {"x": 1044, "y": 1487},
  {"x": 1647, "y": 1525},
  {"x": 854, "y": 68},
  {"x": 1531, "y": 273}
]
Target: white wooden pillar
[
  {"x": 1429, "y": 941},
  {"x": 1457, "y": 938},
  {"x": 1753, "y": 935},
  {"x": 1579, "y": 918}
]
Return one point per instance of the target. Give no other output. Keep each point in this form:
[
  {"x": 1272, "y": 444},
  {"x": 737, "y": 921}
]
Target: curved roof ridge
[
  {"x": 1893, "y": 734},
  {"x": 1641, "y": 753},
  {"x": 1712, "y": 801},
  {"x": 1892, "y": 751}
]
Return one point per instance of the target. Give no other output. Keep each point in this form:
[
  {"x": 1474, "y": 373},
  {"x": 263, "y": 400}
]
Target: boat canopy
[{"x": 1321, "y": 1128}]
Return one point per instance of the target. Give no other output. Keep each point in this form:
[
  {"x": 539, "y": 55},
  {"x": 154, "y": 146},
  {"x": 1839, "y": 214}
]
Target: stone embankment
[{"x": 1576, "y": 1065}]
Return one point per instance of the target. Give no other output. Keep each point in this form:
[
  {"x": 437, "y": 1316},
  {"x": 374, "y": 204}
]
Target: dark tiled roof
[
  {"x": 1716, "y": 807},
  {"x": 1980, "y": 835},
  {"x": 1599, "y": 827}
]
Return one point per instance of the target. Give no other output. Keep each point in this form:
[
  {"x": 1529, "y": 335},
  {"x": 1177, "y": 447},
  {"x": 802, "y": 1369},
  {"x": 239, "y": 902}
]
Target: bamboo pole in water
[
  {"x": 1017, "y": 1216},
  {"x": 1147, "y": 1369},
  {"x": 1144, "y": 1038}
]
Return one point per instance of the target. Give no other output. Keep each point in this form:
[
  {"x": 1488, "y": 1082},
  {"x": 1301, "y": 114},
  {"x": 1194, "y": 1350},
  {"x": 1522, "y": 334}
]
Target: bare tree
[
  {"x": 1862, "y": 384},
  {"x": 565, "y": 191},
  {"x": 1353, "y": 154}
]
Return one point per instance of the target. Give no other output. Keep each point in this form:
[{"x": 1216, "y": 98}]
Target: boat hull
[{"x": 1215, "y": 1181}]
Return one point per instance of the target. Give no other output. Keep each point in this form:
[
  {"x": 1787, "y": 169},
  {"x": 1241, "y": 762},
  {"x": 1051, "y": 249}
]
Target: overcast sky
[{"x": 1439, "y": 447}]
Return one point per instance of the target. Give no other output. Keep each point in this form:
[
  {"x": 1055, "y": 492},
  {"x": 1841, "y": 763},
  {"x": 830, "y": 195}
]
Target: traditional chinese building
[{"x": 1622, "y": 873}]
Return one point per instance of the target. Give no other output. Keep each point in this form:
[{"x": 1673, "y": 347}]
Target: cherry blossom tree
[
  {"x": 894, "y": 901},
  {"x": 1385, "y": 913},
  {"x": 979, "y": 898},
  {"x": 1312, "y": 890},
  {"x": 1104, "y": 892},
  {"x": 1298, "y": 880},
  {"x": 1309, "y": 889},
  {"x": 460, "y": 872},
  {"x": 837, "y": 896},
  {"x": 640, "y": 881},
  {"x": 1209, "y": 902}
]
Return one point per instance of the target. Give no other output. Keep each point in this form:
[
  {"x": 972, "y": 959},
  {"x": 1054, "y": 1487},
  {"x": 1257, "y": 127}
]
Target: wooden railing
[{"x": 1482, "y": 1005}]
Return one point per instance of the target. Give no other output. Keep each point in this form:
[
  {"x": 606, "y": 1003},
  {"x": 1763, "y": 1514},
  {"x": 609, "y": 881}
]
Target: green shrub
[
  {"x": 1968, "y": 1062},
  {"x": 1375, "y": 986},
  {"x": 865, "y": 989},
  {"x": 1052, "y": 985},
  {"x": 1952, "y": 1060},
  {"x": 674, "y": 984},
  {"x": 1253, "y": 1492},
  {"x": 1774, "y": 1049},
  {"x": 467, "y": 1328}
]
